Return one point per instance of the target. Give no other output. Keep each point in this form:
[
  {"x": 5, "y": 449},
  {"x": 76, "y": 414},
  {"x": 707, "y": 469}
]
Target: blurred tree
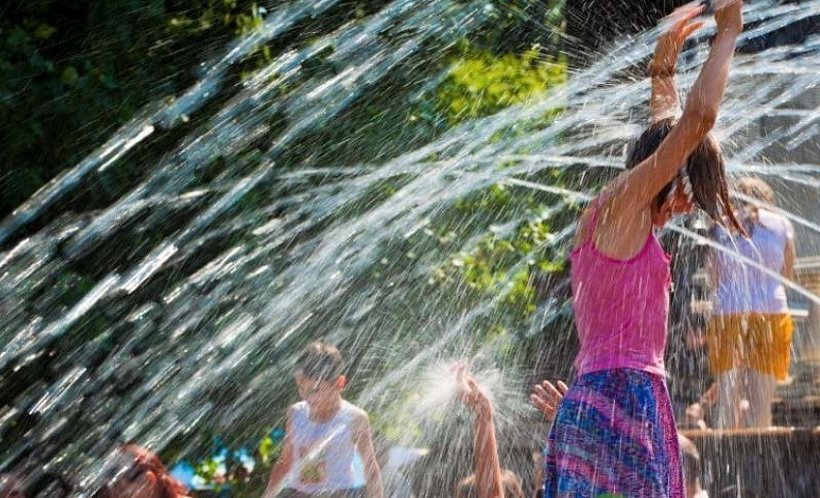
[
  {"x": 591, "y": 24},
  {"x": 72, "y": 71}
]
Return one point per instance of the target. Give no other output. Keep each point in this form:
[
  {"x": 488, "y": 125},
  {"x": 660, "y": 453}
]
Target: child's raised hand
[
  {"x": 729, "y": 15},
  {"x": 469, "y": 392},
  {"x": 546, "y": 397},
  {"x": 682, "y": 23}
]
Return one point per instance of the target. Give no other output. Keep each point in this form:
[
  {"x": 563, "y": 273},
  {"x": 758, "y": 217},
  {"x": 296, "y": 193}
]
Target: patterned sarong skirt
[{"x": 614, "y": 435}]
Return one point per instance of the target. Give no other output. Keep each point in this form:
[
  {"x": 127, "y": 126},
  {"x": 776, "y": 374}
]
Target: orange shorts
[{"x": 754, "y": 340}]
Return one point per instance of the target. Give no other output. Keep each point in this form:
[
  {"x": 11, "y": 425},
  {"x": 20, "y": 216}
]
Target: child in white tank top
[{"x": 323, "y": 434}]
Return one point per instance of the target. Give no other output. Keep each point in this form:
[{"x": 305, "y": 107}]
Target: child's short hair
[
  {"x": 321, "y": 361},
  {"x": 466, "y": 488}
]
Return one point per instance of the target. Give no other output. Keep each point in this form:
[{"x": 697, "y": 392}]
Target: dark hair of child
[{"x": 321, "y": 361}]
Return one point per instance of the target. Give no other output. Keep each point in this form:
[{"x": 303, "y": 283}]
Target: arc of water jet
[
  {"x": 791, "y": 14},
  {"x": 70, "y": 179},
  {"x": 102, "y": 223},
  {"x": 138, "y": 277},
  {"x": 761, "y": 169},
  {"x": 152, "y": 263},
  {"x": 41, "y": 336},
  {"x": 129, "y": 136},
  {"x": 761, "y": 144},
  {"x": 573, "y": 194}
]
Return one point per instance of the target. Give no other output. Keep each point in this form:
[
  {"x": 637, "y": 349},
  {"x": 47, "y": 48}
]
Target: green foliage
[
  {"x": 481, "y": 83},
  {"x": 205, "y": 15},
  {"x": 269, "y": 448},
  {"x": 71, "y": 72},
  {"x": 494, "y": 264},
  {"x": 225, "y": 467}
]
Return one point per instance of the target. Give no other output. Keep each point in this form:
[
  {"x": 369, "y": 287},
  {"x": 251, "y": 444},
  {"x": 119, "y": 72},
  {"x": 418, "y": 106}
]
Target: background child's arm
[
  {"x": 487, "y": 465},
  {"x": 664, "y": 101},
  {"x": 636, "y": 188},
  {"x": 488, "y": 478},
  {"x": 364, "y": 444},
  {"x": 283, "y": 464},
  {"x": 790, "y": 254}
]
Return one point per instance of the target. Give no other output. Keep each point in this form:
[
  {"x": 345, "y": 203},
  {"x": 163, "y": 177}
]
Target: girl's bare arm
[
  {"x": 664, "y": 101},
  {"x": 635, "y": 189}
]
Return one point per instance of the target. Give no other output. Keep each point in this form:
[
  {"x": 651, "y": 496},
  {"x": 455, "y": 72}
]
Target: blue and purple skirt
[{"x": 614, "y": 434}]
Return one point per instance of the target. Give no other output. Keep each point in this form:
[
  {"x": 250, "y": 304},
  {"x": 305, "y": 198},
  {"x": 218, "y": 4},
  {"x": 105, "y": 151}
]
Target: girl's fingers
[
  {"x": 685, "y": 28},
  {"x": 691, "y": 28},
  {"x": 684, "y": 14},
  {"x": 722, "y": 4},
  {"x": 563, "y": 388},
  {"x": 689, "y": 11}
]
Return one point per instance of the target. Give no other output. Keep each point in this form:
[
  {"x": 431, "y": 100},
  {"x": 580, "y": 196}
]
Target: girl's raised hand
[
  {"x": 682, "y": 23},
  {"x": 729, "y": 15},
  {"x": 469, "y": 392}
]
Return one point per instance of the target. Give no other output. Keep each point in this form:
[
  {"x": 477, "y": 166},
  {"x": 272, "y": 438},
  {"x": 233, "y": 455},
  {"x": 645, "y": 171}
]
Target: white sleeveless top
[
  {"x": 744, "y": 288},
  {"x": 323, "y": 453}
]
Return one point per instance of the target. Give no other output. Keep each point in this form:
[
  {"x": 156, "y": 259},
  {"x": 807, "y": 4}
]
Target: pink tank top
[{"x": 621, "y": 306}]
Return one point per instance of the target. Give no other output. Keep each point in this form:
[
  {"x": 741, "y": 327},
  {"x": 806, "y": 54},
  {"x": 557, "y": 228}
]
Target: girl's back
[{"x": 621, "y": 306}]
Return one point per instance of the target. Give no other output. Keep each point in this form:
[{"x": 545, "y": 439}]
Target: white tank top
[
  {"x": 323, "y": 453},
  {"x": 744, "y": 288}
]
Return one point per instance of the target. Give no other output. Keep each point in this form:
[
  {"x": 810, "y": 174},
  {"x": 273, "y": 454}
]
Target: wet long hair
[{"x": 705, "y": 169}]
